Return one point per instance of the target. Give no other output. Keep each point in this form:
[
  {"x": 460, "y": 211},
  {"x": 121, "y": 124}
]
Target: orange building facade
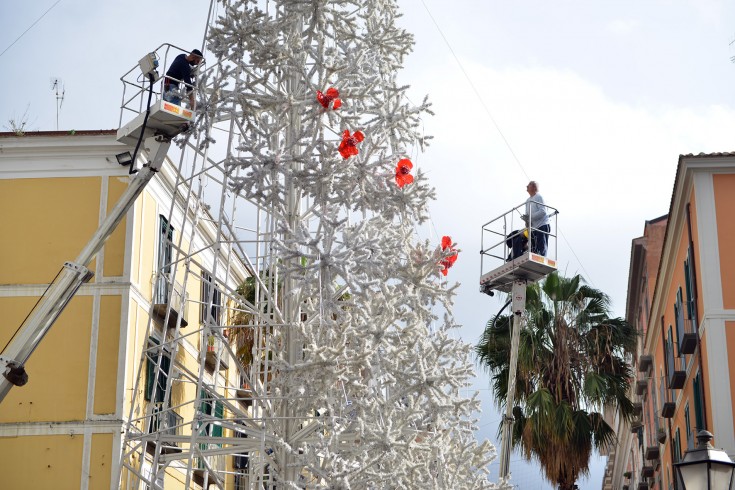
[{"x": 681, "y": 298}]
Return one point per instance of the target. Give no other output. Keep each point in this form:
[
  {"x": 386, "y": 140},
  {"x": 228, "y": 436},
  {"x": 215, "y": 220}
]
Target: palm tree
[
  {"x": 572, "y": 366},
  {"x": 243, "y": 332}
]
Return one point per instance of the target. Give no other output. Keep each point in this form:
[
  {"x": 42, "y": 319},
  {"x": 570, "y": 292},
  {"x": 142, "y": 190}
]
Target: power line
[
  {"x": 497, "y": 127},
  {"x": 474, "y": 89},
  {"x": 30, "y": 27},
  {"x": 586, "y": 274}
]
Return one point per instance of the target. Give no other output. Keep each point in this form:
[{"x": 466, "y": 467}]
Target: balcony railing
[
  {"x": 213, "y": 466},
  {"x": 165, "y": 422},
  {"x": 652, "y": 449},
  {"x": 637, "y": 409},
  {"x": 244, "y": 393},
  {"x": 178, "y": 303},
  {"x": 215, "y": 348},
  {"x": 666, "y": 397},
  {"x": 687, "y": 337},
  {"x": 644, "y": 363},
  {"x": 676, "y": 367},
  {"x": 641, "y": 386}
]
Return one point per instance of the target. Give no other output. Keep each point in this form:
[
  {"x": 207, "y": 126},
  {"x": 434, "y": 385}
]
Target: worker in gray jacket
[{"x": 537, "y": 219}]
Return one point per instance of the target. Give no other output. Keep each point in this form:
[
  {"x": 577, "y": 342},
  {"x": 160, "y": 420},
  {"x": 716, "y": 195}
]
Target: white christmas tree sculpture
[{"x": 364, "y": 379}]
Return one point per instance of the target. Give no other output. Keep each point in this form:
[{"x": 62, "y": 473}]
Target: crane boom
[{"x": 519, "y": 306}]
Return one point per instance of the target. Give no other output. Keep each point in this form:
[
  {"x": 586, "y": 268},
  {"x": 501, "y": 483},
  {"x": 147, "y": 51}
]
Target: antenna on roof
[{"x": 58, "y": 86}]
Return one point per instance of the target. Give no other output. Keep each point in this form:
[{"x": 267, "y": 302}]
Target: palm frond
[{"x": 572, "y": 363}]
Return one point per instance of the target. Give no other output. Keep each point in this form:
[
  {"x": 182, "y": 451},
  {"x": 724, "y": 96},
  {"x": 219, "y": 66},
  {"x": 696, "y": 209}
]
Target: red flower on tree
[
  {"x": 348, "y": 147},
  {"x": 403, "y": 172},
  {"x": 325, "y": 99},
  {"x": 448, "y": 261}
]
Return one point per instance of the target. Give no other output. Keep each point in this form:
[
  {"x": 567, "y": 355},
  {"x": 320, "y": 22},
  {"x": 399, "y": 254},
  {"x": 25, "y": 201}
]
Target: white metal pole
[{"x": 519, "y": 306}]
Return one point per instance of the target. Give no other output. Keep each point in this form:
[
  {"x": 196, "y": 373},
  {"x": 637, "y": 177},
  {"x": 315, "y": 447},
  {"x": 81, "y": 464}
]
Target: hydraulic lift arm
[
  {"x": 72, "y": 276},
  {"x": 519, "y": 306}
]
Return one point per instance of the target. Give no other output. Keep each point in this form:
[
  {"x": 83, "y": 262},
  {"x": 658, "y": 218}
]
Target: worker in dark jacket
[
  {"x": 517, "y": 242},
  {"x": 180, "y": 71}
]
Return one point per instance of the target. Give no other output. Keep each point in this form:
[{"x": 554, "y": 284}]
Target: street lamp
[{"x": 705, "y": 468}]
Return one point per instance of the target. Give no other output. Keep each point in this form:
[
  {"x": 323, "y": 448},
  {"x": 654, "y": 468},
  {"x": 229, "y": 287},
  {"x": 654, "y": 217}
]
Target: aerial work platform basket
[
  {"x": 500, "y": 267},
  {"x": 164, "y": 118}
]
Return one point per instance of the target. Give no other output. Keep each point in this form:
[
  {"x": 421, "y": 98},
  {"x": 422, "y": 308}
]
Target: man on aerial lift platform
[
  {"x": 151, "y": 131},
  {"x": 181, "y": 71},
  {"x": 538, "y": 225},
  {"x": 537, "y": 219}
]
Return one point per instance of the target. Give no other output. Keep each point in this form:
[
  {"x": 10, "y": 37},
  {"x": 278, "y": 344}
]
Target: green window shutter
[
  {"x": 698, "y": 405},
  {"x": 217, "y": 306},
  {"x": 679, "y": 320},
  {"x": 669, "y": 356},
  {"x": 688, "y": 423},
  {"x": 203, "y": 428},
  {"x": 163, "y": 376},
  {"x": 219, "y": 412},
  {"x": 206, "y": 285},
  {"x": 211, "y": 407},
  {"x": 206, "y": 409},
  {"x": 165, "y": 369},
  {"x": 688, "y": 284},
  {"x": 166, "y": 237},
  {"x": 165, "y": 255},
  {"x": 150, "y": 370},
  {"x": 655, "y": 403},
  {"x": 209, "y": 286}
]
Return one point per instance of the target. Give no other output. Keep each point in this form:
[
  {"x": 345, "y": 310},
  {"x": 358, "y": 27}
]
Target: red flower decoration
[
  {"x": 326, "y": 98},
  {"x": 448, "y": 261},
  {"x": 403, "y": 172},
  {"x": 348, "y": 147}
]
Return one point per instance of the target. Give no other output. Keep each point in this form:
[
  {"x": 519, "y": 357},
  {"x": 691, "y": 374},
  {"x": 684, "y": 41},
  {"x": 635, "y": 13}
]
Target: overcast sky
[{"x": 595, "y": 98}]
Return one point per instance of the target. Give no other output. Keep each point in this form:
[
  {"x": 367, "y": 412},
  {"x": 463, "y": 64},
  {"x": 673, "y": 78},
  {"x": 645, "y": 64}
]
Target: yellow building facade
[{"x": 64, "y": 428}]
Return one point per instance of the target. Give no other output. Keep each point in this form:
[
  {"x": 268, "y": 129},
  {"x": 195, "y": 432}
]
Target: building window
[
  {"x": 677, "y": 446},
  {"x": 655, "y": 404},
  {"x": 165, "y": 257},
  {"x": 688, "y": 422},
  {"x": 698, "y": 405},
  {"x": 155, "y": 386},
  {"x": 689, "y": 283},
  {"x": 213, "y": 408},
  {"x": 645, "y": 297},
  {"x": 241, "y": 461},
  {"x": 670, "y": 366},
  {"x": 679, "y": 319},
  {"x": 209, "y": 288}
]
